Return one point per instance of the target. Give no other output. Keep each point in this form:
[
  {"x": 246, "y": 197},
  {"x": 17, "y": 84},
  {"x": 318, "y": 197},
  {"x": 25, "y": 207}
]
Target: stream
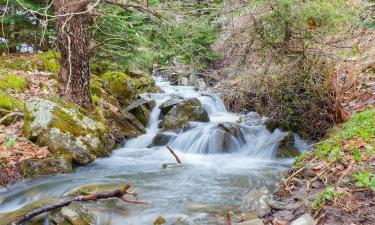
[{"x": 199, "y": 192}]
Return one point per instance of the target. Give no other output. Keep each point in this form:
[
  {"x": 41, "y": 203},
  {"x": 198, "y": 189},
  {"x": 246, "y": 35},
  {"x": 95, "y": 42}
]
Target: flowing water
[{"x": 208, "y": 183}]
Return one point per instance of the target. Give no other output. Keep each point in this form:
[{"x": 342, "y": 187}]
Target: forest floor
[{"x": 14, "y": 146}]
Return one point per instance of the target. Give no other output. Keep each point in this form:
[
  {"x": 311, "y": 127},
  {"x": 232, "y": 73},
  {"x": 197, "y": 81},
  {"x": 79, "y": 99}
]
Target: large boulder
[
  {"x": 75, "y": 213},
  {"x": 66, "y": 131},
  {"x": 120, "y": 85},
  {"x": 168, "y": 105},
  {"x": 183, "y": 112},
  {"x": 141, "y": 109}
]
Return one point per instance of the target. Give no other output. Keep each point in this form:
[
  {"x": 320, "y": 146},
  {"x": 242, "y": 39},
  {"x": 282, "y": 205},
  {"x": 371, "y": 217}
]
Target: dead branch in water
[
  {"x": 174, "y": 154},
  {"x": 117, "y": 193}
]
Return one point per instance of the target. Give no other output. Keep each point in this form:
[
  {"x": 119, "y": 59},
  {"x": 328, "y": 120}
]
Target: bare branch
[{"x": 117, "y": 193}]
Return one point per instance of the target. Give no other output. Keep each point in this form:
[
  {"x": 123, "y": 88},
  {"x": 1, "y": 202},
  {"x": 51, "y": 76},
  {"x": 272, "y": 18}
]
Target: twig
[
  {"x": 174, "y": 154},
  {"x": 10, "y": 115},
  {"x": 117, "y": 193}
]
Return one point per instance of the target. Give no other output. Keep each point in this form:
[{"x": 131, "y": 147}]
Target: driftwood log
[
  {"x": 174, "y": 154},
  {"x": 117, "y": 193}
]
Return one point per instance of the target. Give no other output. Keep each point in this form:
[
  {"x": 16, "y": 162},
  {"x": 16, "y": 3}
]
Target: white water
[{"x": 200, "y": 191}]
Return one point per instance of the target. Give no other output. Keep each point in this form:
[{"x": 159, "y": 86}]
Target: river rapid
[{"x": 201, "y": 191}]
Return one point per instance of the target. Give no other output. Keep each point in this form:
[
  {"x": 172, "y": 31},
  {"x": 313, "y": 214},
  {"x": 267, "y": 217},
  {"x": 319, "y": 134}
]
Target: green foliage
[
  {"x": 9, "y": 142},
  {"x": 326, "y": 196},
  {"x": 365, "y": 179},
  {"x": 362, "y": 125},
  {"x": 22, "y": 27},
  {"x": 306, "y": 19},
  {"x": 137, "y": 41}
]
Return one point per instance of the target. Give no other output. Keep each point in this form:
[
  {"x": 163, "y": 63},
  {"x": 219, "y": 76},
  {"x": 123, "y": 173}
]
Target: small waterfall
[{"x": 222, "y": 135}]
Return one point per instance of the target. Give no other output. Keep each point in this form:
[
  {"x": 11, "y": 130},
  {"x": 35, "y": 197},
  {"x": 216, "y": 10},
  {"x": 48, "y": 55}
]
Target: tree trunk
[{"x": 74, "y": 40}]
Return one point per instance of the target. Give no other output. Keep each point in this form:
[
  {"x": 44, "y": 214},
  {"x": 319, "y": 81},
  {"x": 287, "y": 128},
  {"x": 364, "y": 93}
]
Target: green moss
[
  {"x": 66, "y": 123},
  {"x": 120, "y": 85},
  {"x": 96, "y": 85},
  {"x": 11, "y": 81},
  {"x": 9, "y": 103},
  {"x": 49, "y": 61}
]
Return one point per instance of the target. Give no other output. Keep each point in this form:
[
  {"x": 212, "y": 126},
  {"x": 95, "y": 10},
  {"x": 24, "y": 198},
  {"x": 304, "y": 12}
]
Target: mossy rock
[
  {"x": 66, "y": 131},
  {"x": 15, "y": 82},
  {"x": 92, "y": 188},
  {"x": 9, "y": 103},
  {"x": 120, "y": 85},
  {"x": 56, "y": 164}
]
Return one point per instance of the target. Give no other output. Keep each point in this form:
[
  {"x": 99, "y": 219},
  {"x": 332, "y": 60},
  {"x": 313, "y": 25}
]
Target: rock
[
  {"x": 183, "y": 81},
  {"x": 200, "y": 84},
  {"x": 305, "y": 219},
  {"x": 140, "y": 108},
  {"x": 92, "y": 188},
  {"x": 124, "y": 125},
  {"x": 257, "y": 200},
  {"x": 168, "y": 105},
  {"x": 252, "y": 119},
  {"x": 51, "y": 165},
  {"x": 277, "y": 205},
  {"x": 193, "y": 78},
  {"x": 286, "y": 147},
  {"x": 181, "y": 113},
  {"x": 162, "y": 139},
  {"x": 149, "y": 101},
  {"x": 232, "y": 128},
  {"x": 159, "y": 221},
  {"x": 252, "y": 222},
  {"x": 120, "y": 85},
  {"x": 66, "y": 131},
  {"x": 75, "y": 213}
]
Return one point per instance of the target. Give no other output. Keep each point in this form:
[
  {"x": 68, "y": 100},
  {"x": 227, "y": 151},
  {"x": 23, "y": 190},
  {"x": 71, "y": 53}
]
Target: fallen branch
[
  {"x": 10, "y": 115},
  {"x": 117, "y": 193},
  {"x": 174, "y": 154}
]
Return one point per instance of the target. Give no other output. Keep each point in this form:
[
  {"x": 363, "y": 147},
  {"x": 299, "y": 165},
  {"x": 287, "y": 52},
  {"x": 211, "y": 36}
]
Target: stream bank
[{"x": 222, "y": 161}]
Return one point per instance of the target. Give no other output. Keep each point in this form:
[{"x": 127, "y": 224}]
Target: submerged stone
[{"x": 75, "y": 213}]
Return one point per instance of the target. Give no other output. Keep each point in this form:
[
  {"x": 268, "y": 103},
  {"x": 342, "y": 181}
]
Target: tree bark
[{"x": 73, "y": 42}]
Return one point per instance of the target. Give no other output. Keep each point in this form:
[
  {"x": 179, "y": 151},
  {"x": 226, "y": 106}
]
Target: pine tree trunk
[{"x": 74, "y": 39}]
